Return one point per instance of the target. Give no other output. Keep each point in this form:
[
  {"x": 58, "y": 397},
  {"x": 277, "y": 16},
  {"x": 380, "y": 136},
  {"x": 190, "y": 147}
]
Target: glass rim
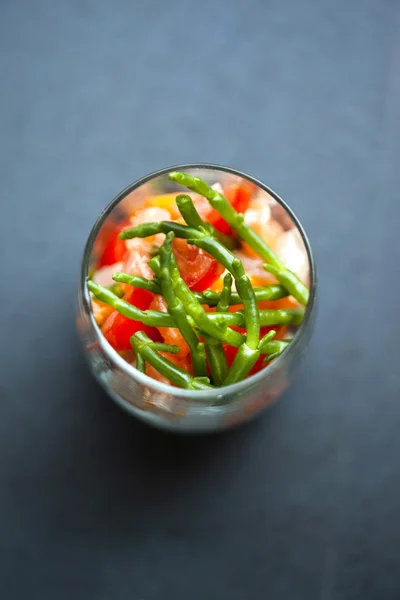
[{"x": 146, "y": 380}]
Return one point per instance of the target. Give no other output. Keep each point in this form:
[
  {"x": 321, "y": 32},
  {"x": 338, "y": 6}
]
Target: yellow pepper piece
[
  {"x": 101, "y": 311},
  {"x": 166, "y": 201}
]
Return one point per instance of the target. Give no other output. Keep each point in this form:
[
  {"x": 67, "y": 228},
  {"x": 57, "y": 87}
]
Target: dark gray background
[{"x": 302, "y": 503}]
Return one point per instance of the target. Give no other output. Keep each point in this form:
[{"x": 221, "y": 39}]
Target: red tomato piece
[
  {"x": 118, "y": 329},
  {"x": 230, "y": 353},
  {"x": 198, "y": 269},
  {"x": 209, "y": 278},
  {"x": 139, "y": 298},
  {"x": 239, "y": 195},
  {"x": 115, "y": 250}
]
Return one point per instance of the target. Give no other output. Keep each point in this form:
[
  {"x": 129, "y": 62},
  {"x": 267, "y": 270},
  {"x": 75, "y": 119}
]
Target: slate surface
[{"x": 303, "y": 503}]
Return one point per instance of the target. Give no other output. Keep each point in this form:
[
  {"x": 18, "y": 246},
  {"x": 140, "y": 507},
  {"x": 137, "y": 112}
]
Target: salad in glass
[{"x": 197, "y": 282}]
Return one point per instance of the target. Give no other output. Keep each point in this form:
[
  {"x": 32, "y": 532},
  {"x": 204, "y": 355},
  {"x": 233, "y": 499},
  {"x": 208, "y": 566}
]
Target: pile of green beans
[{"x": 206, "y": 332}]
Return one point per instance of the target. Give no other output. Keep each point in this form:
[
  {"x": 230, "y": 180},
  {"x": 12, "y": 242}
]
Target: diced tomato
[
  {"x": 118, "y": 329},
  {"x": 230, "y": 353},
  {"x": 115, "y": 250},
  {"x": 239, "y": 195},
  {"x": 199, "y": 270},
  {"x": 209, "y": 278},
  {"x": 139, "y": 298}
]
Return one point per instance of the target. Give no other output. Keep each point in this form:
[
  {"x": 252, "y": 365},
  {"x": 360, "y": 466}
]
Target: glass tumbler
[{"x": 167, "y": 406}]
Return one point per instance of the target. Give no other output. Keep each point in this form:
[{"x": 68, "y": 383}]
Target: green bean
[
  {"x": 269, "y": 292},
  {"x": 291, "y": 282},
  {"x": 149, "y": 229},
  {"x": 154, "y": 264},
  {"x": 225, "y": 296},
  {"x": 279, "y": 316},
  {"x": 267, "y": 338},
  {"x": 143, "y": 346},
  {"x": 244, "y": 361},
  {"x": 216, "y": 358},
  {"x": 140, "y": 282},
  {"x": 274, "y": 348},
  {"x": 116, "y": 289},
  {"x": 191, "y": 216},
  {"x": 171, "y": 349},
  {"x": 153, "y": 318},
  {"x": 140, "y": 364}
]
